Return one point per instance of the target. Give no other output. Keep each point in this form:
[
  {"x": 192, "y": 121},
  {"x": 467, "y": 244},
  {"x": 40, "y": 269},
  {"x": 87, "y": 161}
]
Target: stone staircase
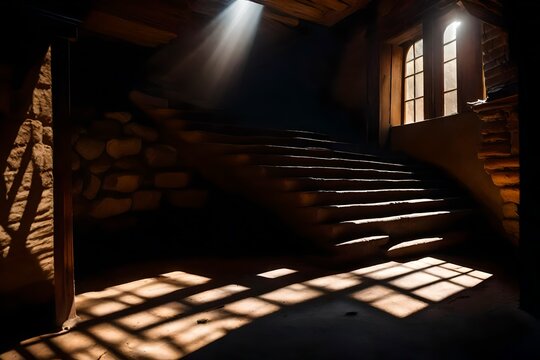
[{"x": 337, "y": 196}]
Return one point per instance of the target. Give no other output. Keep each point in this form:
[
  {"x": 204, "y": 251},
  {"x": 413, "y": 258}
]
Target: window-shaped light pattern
[
  {"x": 414, "y": 83},
  {"x": 450, "y": 69}
]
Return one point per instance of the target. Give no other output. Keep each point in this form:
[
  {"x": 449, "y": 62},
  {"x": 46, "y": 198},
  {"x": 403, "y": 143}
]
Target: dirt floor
[{"x": 442, "y": 306}]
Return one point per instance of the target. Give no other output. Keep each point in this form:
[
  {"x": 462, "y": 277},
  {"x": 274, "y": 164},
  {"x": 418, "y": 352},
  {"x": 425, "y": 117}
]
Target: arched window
[
  {"x": 450, "y": 69},
  {"x": 413, "y": 94}
]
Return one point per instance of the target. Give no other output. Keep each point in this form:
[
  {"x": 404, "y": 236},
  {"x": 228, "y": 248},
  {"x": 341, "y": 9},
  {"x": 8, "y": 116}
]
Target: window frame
[
  {"x": 470, "y": 84},
  {"x": 415, "y": 99}
]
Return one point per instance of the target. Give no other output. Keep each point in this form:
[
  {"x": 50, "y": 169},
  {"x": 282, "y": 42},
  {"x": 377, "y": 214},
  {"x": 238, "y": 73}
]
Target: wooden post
[{"x": 63, "y": 216}]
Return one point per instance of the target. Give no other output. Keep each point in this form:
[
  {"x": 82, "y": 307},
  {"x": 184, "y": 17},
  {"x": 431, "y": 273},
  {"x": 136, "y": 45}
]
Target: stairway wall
[
  {"x": 26, "y": 187},
  {"x": 452, "y": 143}
]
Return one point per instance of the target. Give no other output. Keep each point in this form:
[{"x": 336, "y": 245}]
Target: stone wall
[
  {"x": 120, "y": 166},
  {"x": 500, "y": 153},
  {"x": 499, "y": 72},
  {"x": 26, "y": 202}
]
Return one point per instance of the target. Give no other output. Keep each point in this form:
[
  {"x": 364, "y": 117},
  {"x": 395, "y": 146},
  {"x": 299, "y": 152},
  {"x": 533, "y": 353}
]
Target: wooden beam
[
  {"x": 296, "y": 9},
  {"x": 128, "y": 30},
  {"x": 284, "y": 19},
  {"x": 63, "y": 223}
]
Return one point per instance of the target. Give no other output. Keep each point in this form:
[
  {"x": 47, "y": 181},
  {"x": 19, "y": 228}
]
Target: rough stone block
[
  {"x": 108, "y": 207},
  {"x": 15, "y": 158},
  {"x": 187, "y": 198},
  {"x": 144, "y": 132},
  {"x": 100, "y": 165},
  {"x": 105, "y": 129},
  {"x": 171, "y": 180},
  {"x": 41, "y": 106},
  {"x": 89, "y": 148},
  {"x": 92, "y": 187},
  {"x": 510, "y": 194},
  {"x": 129, "y": 163},
  {"x": 510, "y": 211},
  {"x": 120, "y": 116},
  {"x": 505, "y": 178},
  {"x": 146, "y": 200},
  {"x": 37, "y": 131},
  {"x": 47, "y": 135},
  {"x": 118, "y": 148},
  {"x": 494, "y": 149},
  {"x": 24, "y": 134},
  {"x": 160, "y": 156},
  {"x": 124, "y": 183},
  {"x": 501, "y": 163},
  {"x": 42, "y": 157}
]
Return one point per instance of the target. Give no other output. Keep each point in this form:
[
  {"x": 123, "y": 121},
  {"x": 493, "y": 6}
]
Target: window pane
[
  {"x": 419, "y": 85},
  {"x": 410, "y": 54},
  {"x": 409, "y": 112},
  {"x": 419, "y": 64},
  {"x": 450, "y": 75},
  {"x": 409, "y": 88},
  {"x": 450, "y": 51},
  {"x": 409, "y": 68},
  {"x": 450, "y": 32},
  {"x": 419, "y": 109},
  {"x": 450, "y": 103},
  {"x": 419, "y": 48}
]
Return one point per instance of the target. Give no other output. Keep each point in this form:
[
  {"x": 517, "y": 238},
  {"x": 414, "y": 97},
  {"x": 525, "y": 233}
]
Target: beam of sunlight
[
  {"x": 277, "y": 273},
  {"x": 204, "y": 74}
]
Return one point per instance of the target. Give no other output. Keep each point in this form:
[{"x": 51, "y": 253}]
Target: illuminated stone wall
[
  {"x": 500, "y": 153},
  {"x": 120, "y": 166},
  {"x": 26, "y": 203}
]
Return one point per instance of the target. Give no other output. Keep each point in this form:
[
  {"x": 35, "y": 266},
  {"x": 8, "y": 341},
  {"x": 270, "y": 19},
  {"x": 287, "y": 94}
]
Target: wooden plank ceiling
[{"x": 153, "y": 23}]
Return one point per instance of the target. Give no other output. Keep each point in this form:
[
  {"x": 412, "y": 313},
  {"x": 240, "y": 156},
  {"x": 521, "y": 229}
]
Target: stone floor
[{"x": 432, "y": 307}]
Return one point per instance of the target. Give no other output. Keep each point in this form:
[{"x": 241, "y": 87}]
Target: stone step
[
  {"x": 212, "y": 137},
  {"x": 426, "y": 244},
  {"x": 333, "y": 197},
  {"x": 252, "y": 149},
  {"x": 313, "y": 183},
  {"x": 175, "y": 124},
  {"x": 357, "y": 249},
  {"x": 317, "y": 161},
  {"x": 405, "y": 225},
  {"x": 342, "y": 172},
  {"x": 339, "y": 213}
]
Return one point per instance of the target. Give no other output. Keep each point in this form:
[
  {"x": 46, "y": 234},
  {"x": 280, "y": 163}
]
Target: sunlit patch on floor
[
  {"x": 277, "y": 273},
  {"x": 175, "y": 314}
]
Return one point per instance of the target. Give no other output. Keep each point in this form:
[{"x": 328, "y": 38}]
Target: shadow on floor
[{"x": 282, "y": 308}]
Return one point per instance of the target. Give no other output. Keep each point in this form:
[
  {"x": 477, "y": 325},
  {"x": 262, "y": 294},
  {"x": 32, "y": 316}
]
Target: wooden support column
[{"x": 63, "y": 216}]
